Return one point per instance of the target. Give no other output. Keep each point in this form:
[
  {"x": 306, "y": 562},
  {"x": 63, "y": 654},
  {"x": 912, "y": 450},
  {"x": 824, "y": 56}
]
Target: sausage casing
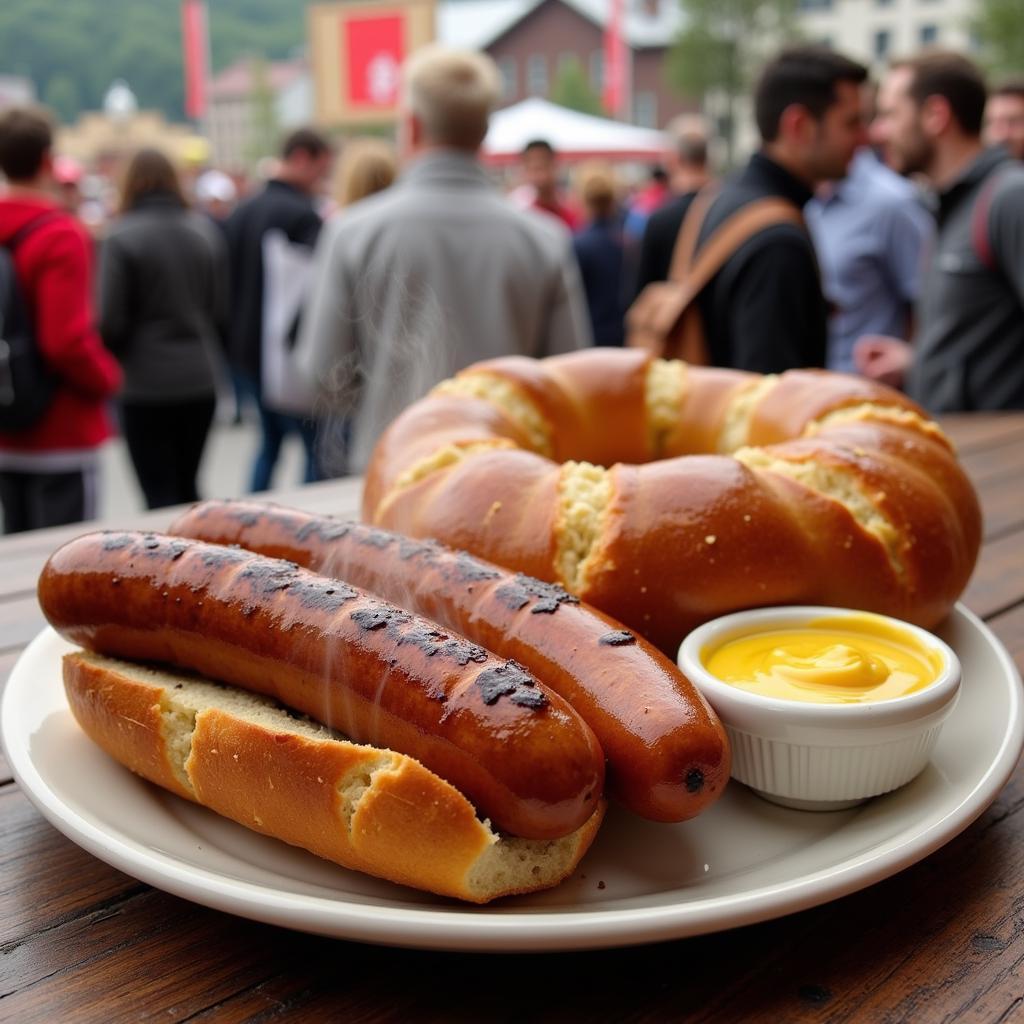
[
  {"x": 668, "y": 756},
  {"x": 371, "y": 670}
]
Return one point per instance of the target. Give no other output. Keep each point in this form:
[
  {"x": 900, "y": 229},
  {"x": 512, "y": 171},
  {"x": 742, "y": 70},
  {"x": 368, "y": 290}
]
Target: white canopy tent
[{"x": 573, "y": 135}]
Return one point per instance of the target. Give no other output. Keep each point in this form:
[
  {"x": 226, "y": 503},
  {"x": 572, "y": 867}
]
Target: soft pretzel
[{"x": 666, "y": 495}]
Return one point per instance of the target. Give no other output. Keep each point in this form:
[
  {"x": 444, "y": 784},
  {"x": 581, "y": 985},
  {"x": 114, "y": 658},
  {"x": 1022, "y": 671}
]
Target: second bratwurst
[
  {"x": 367, "y": 668},
  {"x": 667, "y": 753}
]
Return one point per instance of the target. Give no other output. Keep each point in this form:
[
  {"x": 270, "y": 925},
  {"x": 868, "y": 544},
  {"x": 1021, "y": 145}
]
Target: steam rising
[{"x": 402, "y": 346}]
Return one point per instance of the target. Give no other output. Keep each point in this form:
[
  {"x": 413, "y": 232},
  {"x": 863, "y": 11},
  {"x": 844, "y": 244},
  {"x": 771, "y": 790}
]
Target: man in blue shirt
[
  {"x": 869, "y": 230},
  {"x": 764, "y": 310}
]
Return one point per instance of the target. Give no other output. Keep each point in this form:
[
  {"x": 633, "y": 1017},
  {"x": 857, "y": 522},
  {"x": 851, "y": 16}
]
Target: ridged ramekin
[{"x": 821, "y": 756}]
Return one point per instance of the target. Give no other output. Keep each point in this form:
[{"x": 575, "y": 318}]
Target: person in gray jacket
[
  {"x": 163, "y": 306},
  {"x": 438, "y": 271},
  {"x": 968, "y": 349}
]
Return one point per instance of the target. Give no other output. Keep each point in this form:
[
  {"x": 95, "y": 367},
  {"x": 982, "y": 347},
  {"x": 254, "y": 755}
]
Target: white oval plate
[{"x": 743, "y": 861}]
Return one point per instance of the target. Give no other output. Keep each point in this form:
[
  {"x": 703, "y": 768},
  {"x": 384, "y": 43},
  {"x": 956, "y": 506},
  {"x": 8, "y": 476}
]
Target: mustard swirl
[{"x": 836, "y": 661}]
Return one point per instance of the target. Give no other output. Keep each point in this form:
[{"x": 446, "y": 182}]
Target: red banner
[
  {"x": 374, "y": 49},
  {"x": 613, "y": 96},
  {"x": 195, "y": 50}
]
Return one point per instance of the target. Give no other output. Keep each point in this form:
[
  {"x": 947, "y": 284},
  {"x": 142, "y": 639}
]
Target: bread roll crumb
[
  {"x": 446, "y": 456},
  {"x": 511, "y": 400},
  {"x": 366, "y": 808},
  {"x": 876, "y": 412},
  {"x": 740, "y": 412},
  {"x": 584, "y": 491},
  {"x": 665, "y": 388},
  {"x": 837, "y": 484}
]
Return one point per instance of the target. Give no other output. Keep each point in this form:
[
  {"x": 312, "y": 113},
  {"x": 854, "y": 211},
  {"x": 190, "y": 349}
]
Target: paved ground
[{"x": 224, "y": 473}]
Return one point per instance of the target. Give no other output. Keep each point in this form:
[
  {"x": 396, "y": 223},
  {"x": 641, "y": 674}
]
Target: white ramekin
[{"x": 821, "y": 756}]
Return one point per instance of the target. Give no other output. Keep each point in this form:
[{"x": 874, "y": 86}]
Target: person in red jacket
[{"x": 49, "y": 472}]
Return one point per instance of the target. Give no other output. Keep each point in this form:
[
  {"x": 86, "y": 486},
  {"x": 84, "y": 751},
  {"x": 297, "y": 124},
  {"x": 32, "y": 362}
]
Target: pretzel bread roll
[
  {"x": 248, "y": 759},
  {"x": 429, "y": 435},
  {"x": 691, "y": 420},
  {"x": 495, "y": 487},
  {"x": 375, "y": 672},
  {"x": 586, "y": 413},
  {"x": 681, "y": 493},
  {"x": 667, "y": 755}
]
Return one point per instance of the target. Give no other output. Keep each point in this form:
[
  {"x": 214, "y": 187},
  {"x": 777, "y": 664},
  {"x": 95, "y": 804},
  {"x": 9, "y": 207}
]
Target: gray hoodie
[{"x": 969, "y": 349}]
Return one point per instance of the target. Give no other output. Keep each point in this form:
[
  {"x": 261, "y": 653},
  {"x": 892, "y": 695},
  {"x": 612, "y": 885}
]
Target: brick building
[
  {"x": 530, "y": 40},
  {"x": 232, "y": 115}
]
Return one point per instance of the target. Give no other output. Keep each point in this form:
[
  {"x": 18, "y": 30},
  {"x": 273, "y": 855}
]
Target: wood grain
[
  {"x": 806, "y": 967},
  {"x": 6, "y": 664},
  {"x": 996, "y": 584},
  {"x": 990, "y": 463},
  {"x": 44, "y": 878},
  {"x": 941, "y": 941},
  {"x": 20, "y": 620},
  {"x": 971, "y": 432}
]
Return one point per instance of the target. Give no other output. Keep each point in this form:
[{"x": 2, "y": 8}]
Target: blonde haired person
[
  {"x": 448, "y": 96},
  {"x": 367, "y": 166},
  {"x": 598, "y": 190},
  {"x": 438, "y": 271},
  {"x": 600, "y": 252}
]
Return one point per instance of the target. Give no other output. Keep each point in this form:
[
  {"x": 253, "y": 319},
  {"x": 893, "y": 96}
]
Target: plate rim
[{"x": 468, "y": 928}]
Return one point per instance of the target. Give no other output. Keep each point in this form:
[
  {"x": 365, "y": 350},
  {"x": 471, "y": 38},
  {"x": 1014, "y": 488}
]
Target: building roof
[
  {"x": 573, "y": 135},
  {"x": 476, "y": 24},
  {"x": 236, "y": 80}
]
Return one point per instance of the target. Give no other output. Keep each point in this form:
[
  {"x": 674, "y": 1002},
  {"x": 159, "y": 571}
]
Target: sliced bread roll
[{"x": 247, "y": 758}]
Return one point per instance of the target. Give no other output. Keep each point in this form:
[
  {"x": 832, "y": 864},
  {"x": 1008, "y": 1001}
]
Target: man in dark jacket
[
  {"x": 285, "y": 204},
  {"x": 968, "y": 350},
  {"x": 764, "y": 310}
]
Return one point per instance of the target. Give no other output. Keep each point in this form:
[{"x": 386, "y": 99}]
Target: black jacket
[
  {"x": 280, "y": 206},
  {"x": 764, "y": 310},
  {"x": 163, "y": 300},
  {"x": 600, "y": 253}
]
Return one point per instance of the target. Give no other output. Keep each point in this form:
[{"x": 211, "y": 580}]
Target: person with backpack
[
  {"x": 55, "y": 375},
  {"x": 730, "y": 275},
  {"x": 968, "y": 349},
  {"x": 282, "y": 222}
]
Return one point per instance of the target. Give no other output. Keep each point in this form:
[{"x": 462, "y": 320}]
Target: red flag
[
  {"x": 195, "y": 49},
  {"x": 375, "y": 49},
  {"x": 613, "y": 95}
]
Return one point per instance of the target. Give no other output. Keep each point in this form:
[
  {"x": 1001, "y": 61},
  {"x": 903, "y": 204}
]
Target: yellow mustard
[{"x": 830, "y": 660}]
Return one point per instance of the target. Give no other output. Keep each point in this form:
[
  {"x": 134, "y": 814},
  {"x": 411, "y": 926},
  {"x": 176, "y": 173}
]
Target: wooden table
[{"x": 941, "y": 941}]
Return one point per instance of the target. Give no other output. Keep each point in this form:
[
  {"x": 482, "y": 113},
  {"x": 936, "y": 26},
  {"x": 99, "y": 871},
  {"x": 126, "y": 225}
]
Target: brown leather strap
[
  {"x": 686, "y": 240},
  {"x": 664, "y": 319},
  {"x": 729, "y": 236}
]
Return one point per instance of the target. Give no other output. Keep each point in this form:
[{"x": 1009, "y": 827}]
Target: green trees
[
  {"x": 999, "y": 25},
  {"x": 72, "y": 51},
  {"x": 265, "y": 129},
  {"x": 61, "y": 96},
  {"x": 572, "y": 88},
  {"x": 721, "y": 47}
]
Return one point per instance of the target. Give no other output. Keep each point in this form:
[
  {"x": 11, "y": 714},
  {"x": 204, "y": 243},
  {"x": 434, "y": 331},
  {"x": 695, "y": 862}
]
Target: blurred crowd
[{"x": 878, "y": 229}]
